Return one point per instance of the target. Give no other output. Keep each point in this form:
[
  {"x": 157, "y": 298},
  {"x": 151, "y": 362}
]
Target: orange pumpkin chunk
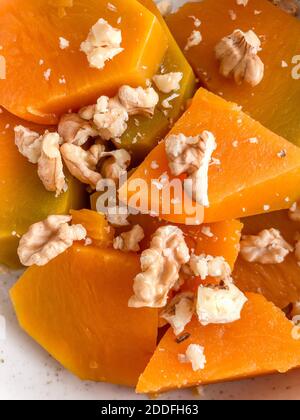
[
  {"x": 279, "y": 283},
  {"x": 76, "y": 307},
  {"x": 258, "y": 344},
  {"x": 32, "y": 36},
  {"x": 96, "y": 225},
  {"x": 252, "y": 177},
  {"x": 275, "y": 101}
]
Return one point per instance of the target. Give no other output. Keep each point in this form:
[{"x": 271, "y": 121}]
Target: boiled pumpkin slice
[
  {"x": 76, "y": 307},
  {"x": 24, "y": 199},
  {"x": 275, "y": 101},
  {"x": 279, "y": 283},
  {"x": 36, "y": 35},
  {"x": 144, "y": 133},
  {"x": 255, "y": 171},
  {"x": 260, "y": 343}
]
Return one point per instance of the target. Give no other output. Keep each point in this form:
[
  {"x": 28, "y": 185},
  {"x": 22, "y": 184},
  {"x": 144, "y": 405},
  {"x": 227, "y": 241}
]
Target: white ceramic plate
[{"x": 28, "y": 372}]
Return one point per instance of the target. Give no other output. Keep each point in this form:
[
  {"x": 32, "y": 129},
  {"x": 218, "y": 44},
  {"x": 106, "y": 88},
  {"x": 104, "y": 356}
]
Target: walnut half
[
  {"x": 238, "y": 56},
  {"x": 160, "y": 265},
  {"x": 45, "y": 240}
]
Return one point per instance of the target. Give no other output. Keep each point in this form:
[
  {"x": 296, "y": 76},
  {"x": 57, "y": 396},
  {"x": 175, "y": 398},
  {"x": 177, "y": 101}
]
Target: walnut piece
[
  {"x": 168, "y": 82},
  {"x": 192, "y": 155},
  {"x": 194, "y": 355},
  {"x": 82, "y": 164},
  {"x": 102, "y": 44},
  {"x": 87, "y": 112},
  {"x": 179, "y": 311},
  {"x": 296, "y": 328},
  {"x": 29, "y": 143},
  {"x": 165, "y": 7},
  {"x": 194, "y": 39},
  {"x": 129, "y": 241},
  {"x": 220, "y": 304},
  {"x": 295, "y": 310},
  {"x": 110, "y": 118},
  {"x": 291, "y": 7},
  {"x": 138, "y": 100},
  {"x": 242, "y": 2},
  {"x": 294, "y": 212},
  {"x": 268, "y": 247},
  {"x": 297, "y": 246},
  {"x": 110, "y": 115},
  {"x": 117, "y": 216},
  {"x": 207, "y": 266},
  {"x": 238, "y": 57},
  {"x": 75, "y": 130},
  {"x": 43, "y": 150},
  {"x": 160, "y": 265},
  {"x": 115, "y": 164},
  {"x": 45, "y": 240},
  {"x": 50, "y": 165}
]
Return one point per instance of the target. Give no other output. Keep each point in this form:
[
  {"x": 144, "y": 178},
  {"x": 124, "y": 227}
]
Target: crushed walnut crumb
[
  {"x": 63, "y": 43},
  {"x": 194, "y": 39},
  {"x": 168, "y": 82},
  {"x": 208, "y": 266},
  {"x": 194, "y": 355},
  {"x": 294, "y": 212}
]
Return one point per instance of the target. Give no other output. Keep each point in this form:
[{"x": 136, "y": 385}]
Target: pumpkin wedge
[
  {"x": 60, "y": 78},
  {"x": 275, "y": 101},
  {"x": 258, "y": 344},
  {"x": 255, "y": 171},
  {"x": 144, "y": 133},
  {"x": 76, "y": 307},
  {"x": 279, "y": 283},
  {"x": 24, "y": 199}
]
